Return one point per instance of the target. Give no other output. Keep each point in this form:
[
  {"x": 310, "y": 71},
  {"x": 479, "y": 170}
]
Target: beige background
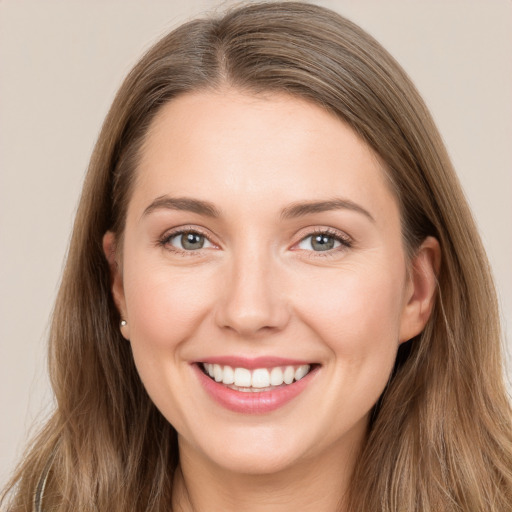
[{"x": 60, "y": 65}]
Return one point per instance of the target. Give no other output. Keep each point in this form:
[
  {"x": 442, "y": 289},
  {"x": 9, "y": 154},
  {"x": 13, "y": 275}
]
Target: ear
[
  {"x": 116, "y": 278},
  {"x": 420, "y": 289}
]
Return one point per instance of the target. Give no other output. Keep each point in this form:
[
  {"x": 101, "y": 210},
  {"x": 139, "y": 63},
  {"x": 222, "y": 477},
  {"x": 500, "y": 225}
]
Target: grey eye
[
  {"x": 189, "y": 241},
  {"x": 319, "y": 242}
]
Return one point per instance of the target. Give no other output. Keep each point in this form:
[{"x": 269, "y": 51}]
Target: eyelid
[
  {"x": 163, "y": 240},
  {"x": 345, "y": 240},
  {"x": 178, "y": 238}
]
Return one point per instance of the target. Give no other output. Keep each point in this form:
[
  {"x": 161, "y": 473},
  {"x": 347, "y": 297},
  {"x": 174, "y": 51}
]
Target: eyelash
[
  {"x": 345, "y": 241},
  {"x": 164, "y": 241}
]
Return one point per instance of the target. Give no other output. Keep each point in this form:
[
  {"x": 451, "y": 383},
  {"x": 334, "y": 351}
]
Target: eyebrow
[
  {"x": 294, "y": 210},
  {"x": 307, "y": 208},
  {"x": 182, "y": 203}
]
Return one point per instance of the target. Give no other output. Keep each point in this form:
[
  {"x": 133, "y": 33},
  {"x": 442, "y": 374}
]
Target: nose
[{"x": 253, "y": 299}]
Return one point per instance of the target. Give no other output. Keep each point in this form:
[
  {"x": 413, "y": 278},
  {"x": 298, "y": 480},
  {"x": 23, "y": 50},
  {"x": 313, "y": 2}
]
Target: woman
[{"x": 275, "y": 295}]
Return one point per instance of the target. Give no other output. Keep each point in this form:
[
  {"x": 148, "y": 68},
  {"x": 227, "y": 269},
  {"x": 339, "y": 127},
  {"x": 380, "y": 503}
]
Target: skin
[{"x": 259, "y": 288}]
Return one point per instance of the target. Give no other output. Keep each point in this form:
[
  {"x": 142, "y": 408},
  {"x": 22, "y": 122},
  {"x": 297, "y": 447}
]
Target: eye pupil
[
  {"x": 192, "y": 241},
  {"x": 322, "y": 242}
]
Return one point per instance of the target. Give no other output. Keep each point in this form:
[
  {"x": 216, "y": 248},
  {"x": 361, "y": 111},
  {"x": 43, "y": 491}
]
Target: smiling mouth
[{"x": 257, "y": 380}]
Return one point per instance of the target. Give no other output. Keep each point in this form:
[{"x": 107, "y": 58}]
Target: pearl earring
[{"x": 123, "y": 323}]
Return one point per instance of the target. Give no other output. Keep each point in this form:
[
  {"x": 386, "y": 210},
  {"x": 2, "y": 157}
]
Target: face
[{"x": 263, "y": 279}]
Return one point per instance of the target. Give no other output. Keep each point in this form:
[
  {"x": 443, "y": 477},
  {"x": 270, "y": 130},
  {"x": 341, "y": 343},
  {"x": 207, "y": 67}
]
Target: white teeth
[
  {"x": 289, "y": 374},
  {"x": 242, "y": 377},
  {"x": 301, "y": 371},
  {"x": 260, "y": 378},
  {"x": 229, "y": 375},
  {"x": 276, "y": 376},
  {"x": 217, "y": 372}
]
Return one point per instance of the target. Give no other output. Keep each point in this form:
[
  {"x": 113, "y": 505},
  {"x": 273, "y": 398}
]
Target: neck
[{"x": 309, "y": 485}]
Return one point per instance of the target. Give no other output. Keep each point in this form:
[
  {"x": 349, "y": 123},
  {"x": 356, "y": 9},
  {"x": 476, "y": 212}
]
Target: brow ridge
[
  {"x": 294, "y": 210},
  {"x": 183, "y": 203},
  {"x": 301, "y": 209}
]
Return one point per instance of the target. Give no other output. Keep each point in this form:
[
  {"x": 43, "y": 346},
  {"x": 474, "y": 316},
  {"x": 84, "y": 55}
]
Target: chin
[
  {"x": 256, "y": 462},
  {"x": 257, "y": 452}
]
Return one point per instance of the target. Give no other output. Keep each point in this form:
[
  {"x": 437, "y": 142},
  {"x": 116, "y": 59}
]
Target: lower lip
[{"x": 247, "y": 402}]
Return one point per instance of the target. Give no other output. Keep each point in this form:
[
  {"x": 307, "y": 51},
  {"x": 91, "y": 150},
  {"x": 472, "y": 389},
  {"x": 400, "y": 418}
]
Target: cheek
[
  {"x": 358, "y": 314},
  {"x": 164, "y": 309},
  {"x": 164, "y": 306}
]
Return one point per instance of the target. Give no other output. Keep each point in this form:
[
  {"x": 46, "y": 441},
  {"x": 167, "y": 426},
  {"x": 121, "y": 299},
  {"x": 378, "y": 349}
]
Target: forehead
[{"x": 223, "y": 146}]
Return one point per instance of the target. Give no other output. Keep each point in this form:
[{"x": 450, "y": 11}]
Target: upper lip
[{"x": 252, "y": 363}]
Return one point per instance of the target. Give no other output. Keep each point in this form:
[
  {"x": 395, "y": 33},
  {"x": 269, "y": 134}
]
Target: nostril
[
  {"x": 250, "y": 316},
  {"x": 251, "y": 300}
]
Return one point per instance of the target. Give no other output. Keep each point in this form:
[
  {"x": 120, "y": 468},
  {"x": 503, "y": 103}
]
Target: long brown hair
[{"x": 440, "y": 437}]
